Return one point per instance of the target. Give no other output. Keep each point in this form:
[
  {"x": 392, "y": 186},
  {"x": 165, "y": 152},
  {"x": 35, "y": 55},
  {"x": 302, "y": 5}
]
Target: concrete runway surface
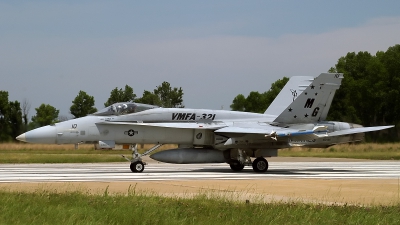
[
  {"x": 309, "y": 179},
  {"x": 109, "y": 172}
]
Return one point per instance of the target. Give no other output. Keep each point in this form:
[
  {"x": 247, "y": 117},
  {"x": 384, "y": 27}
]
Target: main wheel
[
  {"x": 137, "y": 167},
  {"x": 236, "y": 165},
  {"x": 260, "y": 165}
]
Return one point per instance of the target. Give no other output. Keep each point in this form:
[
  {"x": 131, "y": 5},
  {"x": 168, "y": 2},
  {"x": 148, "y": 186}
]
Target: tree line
[
  {"x": 369, "y": 94},
  {"x": 370, "y": 91},
  {"x": 14, "y": 115}
]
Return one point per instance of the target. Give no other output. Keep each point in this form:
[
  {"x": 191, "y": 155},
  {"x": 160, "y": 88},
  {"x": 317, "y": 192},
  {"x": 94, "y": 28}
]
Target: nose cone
[
  {"x": 21, "y": 137},
  {"x": 42, "y": 135}
]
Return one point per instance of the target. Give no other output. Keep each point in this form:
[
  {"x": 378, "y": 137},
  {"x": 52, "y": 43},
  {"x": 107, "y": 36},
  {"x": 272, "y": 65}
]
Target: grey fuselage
[{"x": 126, "y": 129}]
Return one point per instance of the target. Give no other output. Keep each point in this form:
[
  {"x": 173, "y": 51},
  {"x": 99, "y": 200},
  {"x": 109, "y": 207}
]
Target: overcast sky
[{"x": 214, "y": 50}]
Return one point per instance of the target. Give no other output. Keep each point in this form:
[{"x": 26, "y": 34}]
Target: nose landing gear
[{"x": 137, "y": 164}]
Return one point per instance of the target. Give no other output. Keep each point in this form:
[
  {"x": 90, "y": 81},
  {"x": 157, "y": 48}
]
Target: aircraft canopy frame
[{"x": 124, "y": 108}]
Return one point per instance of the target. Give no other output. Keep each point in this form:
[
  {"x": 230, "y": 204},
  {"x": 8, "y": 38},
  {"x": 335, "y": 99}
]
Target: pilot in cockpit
[
  {"x": 113, "y": 109},
  {"x": 121, "y": 109},
  {"x": 130, "y": 109}
]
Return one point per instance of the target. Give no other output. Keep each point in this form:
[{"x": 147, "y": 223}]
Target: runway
[{"x": 112, "y": 172}]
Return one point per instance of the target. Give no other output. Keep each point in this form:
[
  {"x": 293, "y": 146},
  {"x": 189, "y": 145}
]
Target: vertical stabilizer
[
  {"x": 314, "y": 102},
  {"x": 293, "y": 88},
  {"x": 324, "y": 113}
]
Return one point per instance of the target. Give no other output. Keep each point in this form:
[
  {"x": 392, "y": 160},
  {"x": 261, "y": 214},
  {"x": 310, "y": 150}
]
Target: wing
[{"x": 266, "y": 132}]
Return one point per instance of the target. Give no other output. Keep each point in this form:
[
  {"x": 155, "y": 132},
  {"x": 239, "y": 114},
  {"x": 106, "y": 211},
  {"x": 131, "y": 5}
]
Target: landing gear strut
[{"x": 137, "y": 164}]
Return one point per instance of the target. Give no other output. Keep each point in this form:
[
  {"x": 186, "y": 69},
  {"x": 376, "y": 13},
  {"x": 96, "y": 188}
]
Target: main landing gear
[
  {"x": 137, "y": 164},
  {"x": 260, "y": 164},
  {"x": 236, "y": 165}
]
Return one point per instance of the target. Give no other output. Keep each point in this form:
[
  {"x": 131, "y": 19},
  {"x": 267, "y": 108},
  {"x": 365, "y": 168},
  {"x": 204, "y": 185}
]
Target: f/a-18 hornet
[{"x": 295, "y": 118}]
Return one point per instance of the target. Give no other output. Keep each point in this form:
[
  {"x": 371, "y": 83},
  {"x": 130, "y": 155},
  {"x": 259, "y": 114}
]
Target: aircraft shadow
[
  {"x": 310, "y": 172},
  {"x": 300, "y": 172}
]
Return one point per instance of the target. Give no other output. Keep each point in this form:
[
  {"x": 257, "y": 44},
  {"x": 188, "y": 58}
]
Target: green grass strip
[
  {"x": 26, "y": 153},
  {"x": 78, "y": 208}
]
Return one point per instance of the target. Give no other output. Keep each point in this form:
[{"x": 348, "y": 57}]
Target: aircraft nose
[
  {"x": 42, "y": 135},
  {"x": 21, "y": 137}
]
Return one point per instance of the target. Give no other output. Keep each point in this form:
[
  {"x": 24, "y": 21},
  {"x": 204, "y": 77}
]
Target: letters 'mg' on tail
[{"x": 313, "y": 103}]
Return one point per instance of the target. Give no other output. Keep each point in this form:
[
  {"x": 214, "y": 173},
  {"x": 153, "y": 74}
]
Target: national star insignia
[{"x": 131, "y": 132}]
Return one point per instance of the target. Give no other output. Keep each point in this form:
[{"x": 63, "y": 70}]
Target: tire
[
  {"x": 236, "y": 166},
  {"x": 260, "y": 165},
  {"x": 137, "y": 167}
]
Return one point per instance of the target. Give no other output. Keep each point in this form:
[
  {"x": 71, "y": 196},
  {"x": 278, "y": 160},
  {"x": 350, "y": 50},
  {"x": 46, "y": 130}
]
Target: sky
[{"x": 214, "y": 50}]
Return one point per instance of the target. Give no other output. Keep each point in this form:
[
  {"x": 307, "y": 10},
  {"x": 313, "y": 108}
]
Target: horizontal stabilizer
[{"x": 358, "y": 130}]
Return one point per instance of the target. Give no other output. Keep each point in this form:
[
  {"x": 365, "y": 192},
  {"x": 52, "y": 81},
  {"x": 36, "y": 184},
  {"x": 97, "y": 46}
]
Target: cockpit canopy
[{"x": 123, "y": 108}]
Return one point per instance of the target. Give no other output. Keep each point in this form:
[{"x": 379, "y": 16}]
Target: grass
[
  {"x": 389, "y": 151},
  {"x": 44, "y": 207},
  {"x": 40, "y": 153}
]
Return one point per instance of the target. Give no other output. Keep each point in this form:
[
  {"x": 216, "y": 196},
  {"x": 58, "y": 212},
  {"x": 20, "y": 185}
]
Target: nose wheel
[{"x": 137, "y": 167}]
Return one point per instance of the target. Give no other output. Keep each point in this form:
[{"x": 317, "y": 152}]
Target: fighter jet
[{"x": 295, "y": 118}]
